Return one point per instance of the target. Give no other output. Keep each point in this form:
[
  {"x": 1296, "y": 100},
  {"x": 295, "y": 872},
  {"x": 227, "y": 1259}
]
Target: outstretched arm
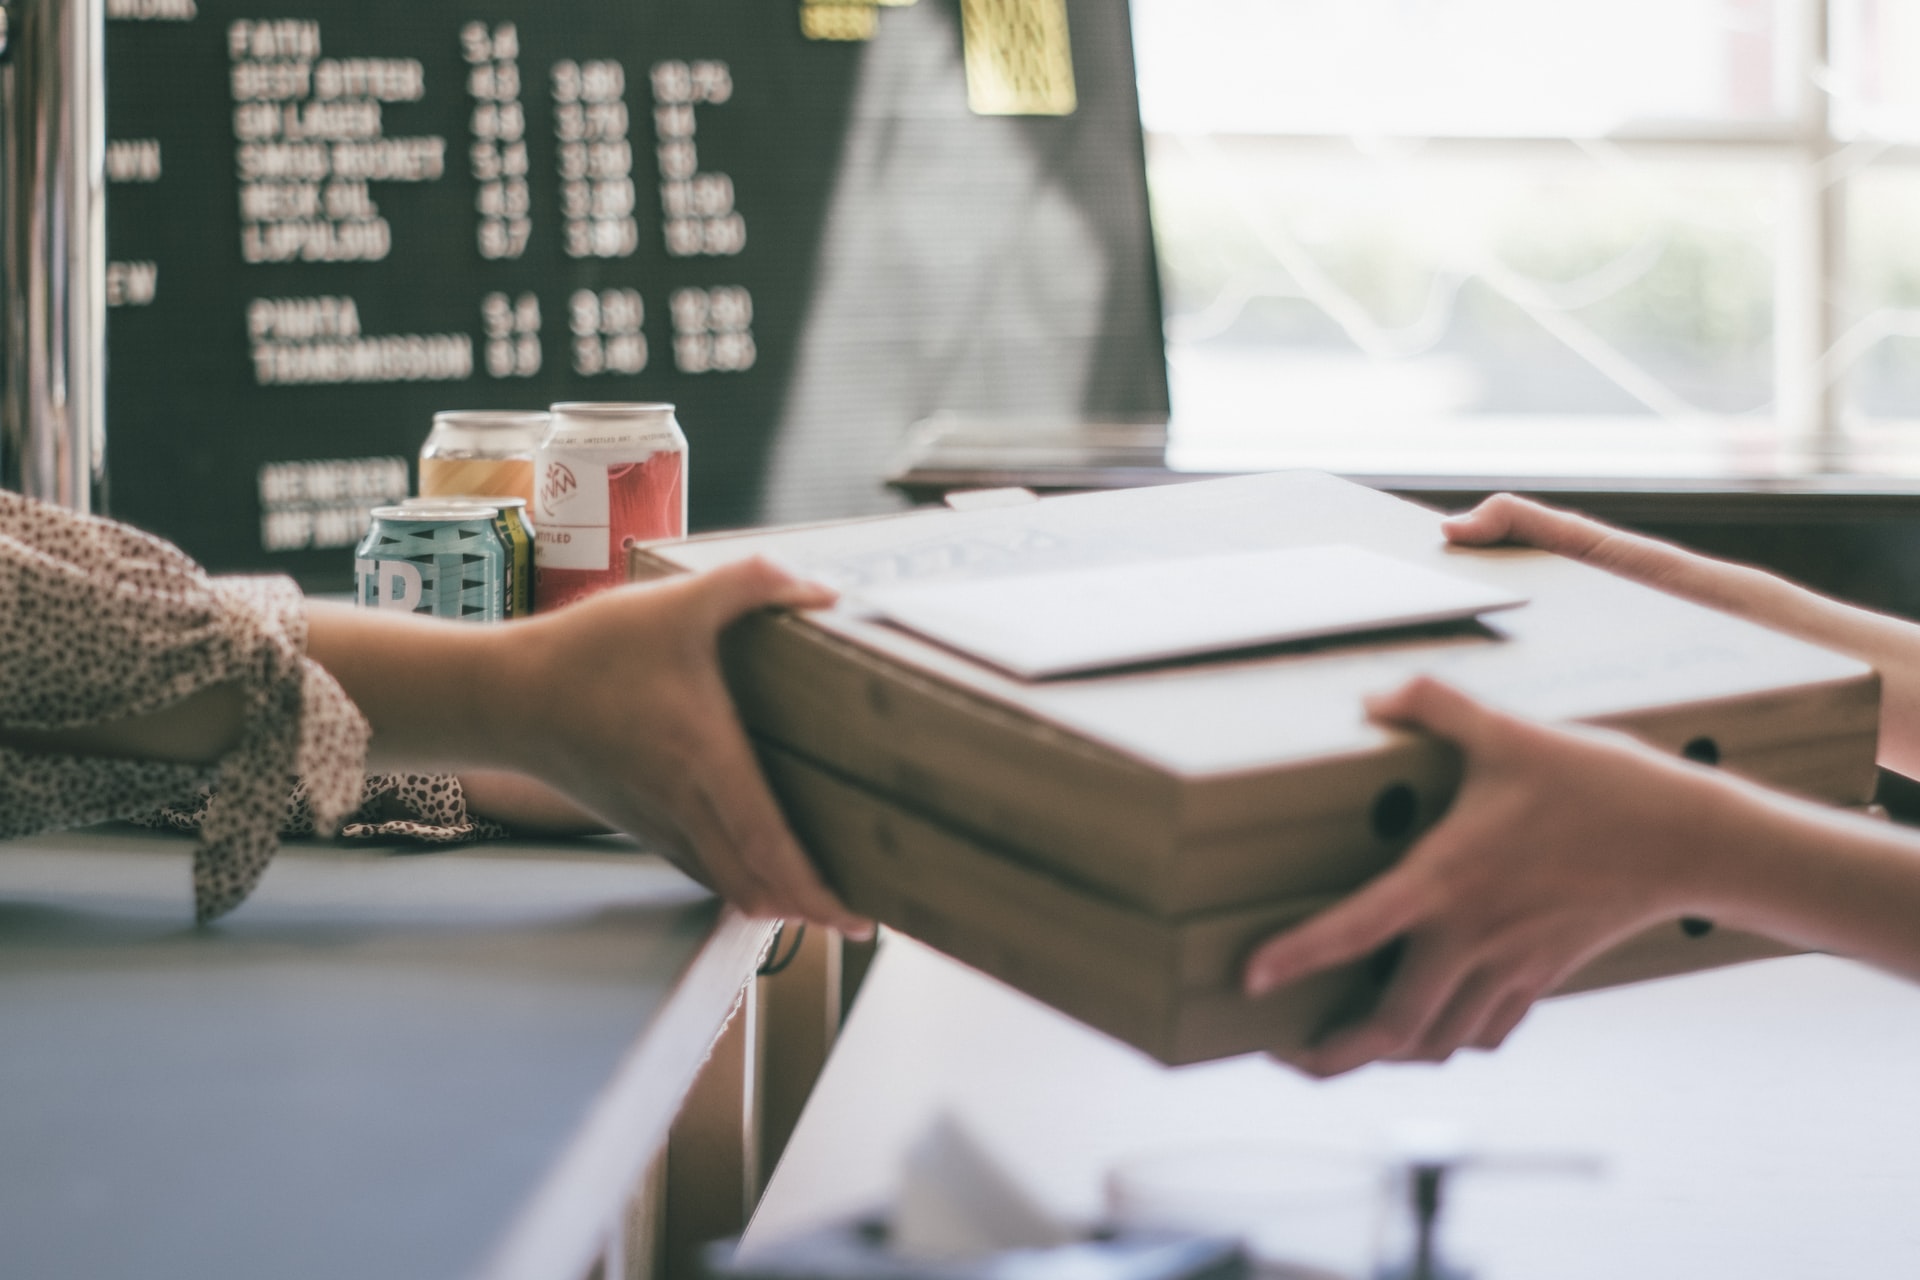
[
  {"x": 612, "y": 709},
  {"x": 1891, "y": 645},
  {"x": 1563, "y": 842},
  {"x": 616, "y": 702}
]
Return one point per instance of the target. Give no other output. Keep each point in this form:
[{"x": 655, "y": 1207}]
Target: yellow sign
[
  {"x": 843, "y": 19},
  {"x": 1019, "y": 60},
  {"x": 836, "y": 20}
]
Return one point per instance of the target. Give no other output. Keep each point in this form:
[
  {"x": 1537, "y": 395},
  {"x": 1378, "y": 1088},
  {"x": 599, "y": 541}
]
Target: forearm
[
  {"x": 1818, "y": 878},
  {"x": 438, "y": 694},
  {"x": 1890, "y": 645}
]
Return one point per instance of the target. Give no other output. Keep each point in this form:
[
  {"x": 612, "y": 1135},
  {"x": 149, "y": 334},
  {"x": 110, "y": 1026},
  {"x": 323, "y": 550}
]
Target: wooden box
[
  {"x": 1159, "y": 821},
  {"x": 1168, "y": 985}
]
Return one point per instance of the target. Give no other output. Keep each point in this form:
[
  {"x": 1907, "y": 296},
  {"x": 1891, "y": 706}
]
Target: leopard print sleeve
[{"x": 100, "y": 622}]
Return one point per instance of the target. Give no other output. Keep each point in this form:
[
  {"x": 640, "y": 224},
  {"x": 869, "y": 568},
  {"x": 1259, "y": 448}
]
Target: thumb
[
  {"x": 1506, "y": 517},
  {"x": 732, "y": 591},
  {"x": 1442, "y": 710},
  {"x": 1488, "y": 523}
]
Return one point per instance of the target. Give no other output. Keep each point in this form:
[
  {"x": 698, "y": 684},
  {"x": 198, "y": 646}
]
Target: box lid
[{"x": 1169, "y": 785}]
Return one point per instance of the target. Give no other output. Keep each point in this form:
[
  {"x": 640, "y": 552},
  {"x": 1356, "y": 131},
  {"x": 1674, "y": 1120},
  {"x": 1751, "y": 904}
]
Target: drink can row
[
  {"x": 469, "y": 559},
  {"x": 606, "y": 476}
]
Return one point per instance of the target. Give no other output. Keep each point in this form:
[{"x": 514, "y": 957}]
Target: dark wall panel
[{"x": 325, "y": 226}]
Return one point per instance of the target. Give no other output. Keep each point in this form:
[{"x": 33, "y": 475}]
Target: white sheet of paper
[{"x": 1079, "y": 620}]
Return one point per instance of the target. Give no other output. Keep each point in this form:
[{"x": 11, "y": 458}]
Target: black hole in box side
[
  {"x": 1394, "y": 811},
  {"x": 1695, "y": 927},
  {"x": 1702, "y": 751}
]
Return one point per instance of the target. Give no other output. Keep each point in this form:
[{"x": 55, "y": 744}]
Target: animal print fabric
[
  {"x": 420, "y": 808},
  {"x": 100, "y": 622}
]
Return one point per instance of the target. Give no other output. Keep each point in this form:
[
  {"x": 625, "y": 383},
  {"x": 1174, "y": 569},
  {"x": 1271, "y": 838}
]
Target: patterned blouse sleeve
[{"x": 100, "y": 622}]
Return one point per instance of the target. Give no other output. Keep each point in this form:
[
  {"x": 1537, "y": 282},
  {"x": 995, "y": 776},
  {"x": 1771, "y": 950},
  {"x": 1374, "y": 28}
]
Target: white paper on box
[{"x": 1040, "y": 625}]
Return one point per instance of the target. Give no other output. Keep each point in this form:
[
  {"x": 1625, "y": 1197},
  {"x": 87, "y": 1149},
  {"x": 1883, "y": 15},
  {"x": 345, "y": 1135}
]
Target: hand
[
  {"x": 627, "y": 714},
  {"x": 1732, "y": 588},
  {"x": 1890, "y": 645},
  {"x": 525, "y": 806},
  {"x": 1561, "y": 843}
]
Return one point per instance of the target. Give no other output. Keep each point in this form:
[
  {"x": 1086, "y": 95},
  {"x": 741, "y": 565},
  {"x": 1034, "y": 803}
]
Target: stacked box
[{"x": 1116, "y": 844}]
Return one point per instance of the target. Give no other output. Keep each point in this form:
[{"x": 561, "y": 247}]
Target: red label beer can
[{"x": 605, "y": 477}]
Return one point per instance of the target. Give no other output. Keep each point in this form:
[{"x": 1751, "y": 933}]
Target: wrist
[
  {"x": 430, "y": 688},
  {"x": 505, "y": 674},
  {"x": 1762, "y": 857},
  {"x": 1716, "y": 848}
]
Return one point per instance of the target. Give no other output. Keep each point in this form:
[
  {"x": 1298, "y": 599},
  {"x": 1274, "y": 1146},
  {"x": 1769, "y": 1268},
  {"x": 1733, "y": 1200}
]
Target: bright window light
[{"x": 1508, "y": 237}]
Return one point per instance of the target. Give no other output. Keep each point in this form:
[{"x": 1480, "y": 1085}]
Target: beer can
[
  {"x": 448, "y": 561},
  {"x": 488, "y": 453},
  {"x": 510, "y": 521},
  {"x": 606, "y": 476}
]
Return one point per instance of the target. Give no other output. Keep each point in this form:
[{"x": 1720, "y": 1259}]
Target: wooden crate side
[
  {"x": 1169, "y": 987},
  {"x": 899, "y": 866},
  {"x": 976, "y": 763}
]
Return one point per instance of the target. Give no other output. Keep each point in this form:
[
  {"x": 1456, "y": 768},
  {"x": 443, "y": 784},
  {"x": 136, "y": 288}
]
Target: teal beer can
[
  {"x": 450, "y": 561},
  {"x": 511, "y": 523}
]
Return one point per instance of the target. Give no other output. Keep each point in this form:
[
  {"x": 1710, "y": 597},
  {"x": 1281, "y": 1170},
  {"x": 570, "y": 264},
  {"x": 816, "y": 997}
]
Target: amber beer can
[
  {"x": 485, "y": 453},
  {"x": 606, "y": 476}
]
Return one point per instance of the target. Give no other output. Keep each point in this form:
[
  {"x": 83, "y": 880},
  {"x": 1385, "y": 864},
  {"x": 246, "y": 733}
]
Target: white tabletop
[
  {"x": 448, "y": 1064},
  {"x": 1760, "y": 1122}
]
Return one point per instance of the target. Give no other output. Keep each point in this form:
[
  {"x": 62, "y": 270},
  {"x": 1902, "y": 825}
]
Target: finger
[
  {"x": 737, "y": 813},
  {"x": 1442, "y": 710},
  {"x": 1427, "y": 980},
  {"x": 1510, "y": 519},
  {"x": 1506, "y": 517},
  {"x": 732, "y": 591},
  {"x": 1343, "y": 933},
  {"x": 766, "y": 856},
  {"x": 697, "y": 843},
  {"x": 1464, "y": 1016},
  {"x": 758, "y": 876},
  {"x": 1506, "y": 1015}
]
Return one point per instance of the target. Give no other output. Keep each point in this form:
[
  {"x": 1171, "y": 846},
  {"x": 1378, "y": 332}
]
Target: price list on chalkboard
[{"x": 805, "y": 228}]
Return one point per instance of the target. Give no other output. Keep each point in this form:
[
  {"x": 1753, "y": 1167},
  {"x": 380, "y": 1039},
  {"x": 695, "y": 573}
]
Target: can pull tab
[{"x": 1428, "y": 1156}]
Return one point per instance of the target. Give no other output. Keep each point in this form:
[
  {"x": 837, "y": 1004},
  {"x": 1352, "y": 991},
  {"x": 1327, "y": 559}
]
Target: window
[{"x": 1516, "y": 237}]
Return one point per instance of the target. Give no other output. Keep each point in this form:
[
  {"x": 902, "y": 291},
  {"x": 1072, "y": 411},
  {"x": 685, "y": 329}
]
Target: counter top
[
  {"x": 447, "y": 1064},
  {"x": 1757, "y": 1121}
]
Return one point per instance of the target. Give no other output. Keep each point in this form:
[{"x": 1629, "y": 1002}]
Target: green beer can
[
  {"x": 449, "y": 560},
  {"x": 510, "y": 520}
]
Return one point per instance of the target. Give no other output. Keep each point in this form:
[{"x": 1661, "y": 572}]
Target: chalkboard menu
[{"x": 807, "y": 224}]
